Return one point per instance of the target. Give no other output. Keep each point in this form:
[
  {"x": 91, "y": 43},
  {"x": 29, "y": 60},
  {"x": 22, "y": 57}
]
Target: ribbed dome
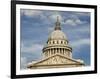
[{"x": 57, "y": 34}]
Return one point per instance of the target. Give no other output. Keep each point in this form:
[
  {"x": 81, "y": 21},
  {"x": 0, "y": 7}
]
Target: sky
[{"x": 36, "y": 26}]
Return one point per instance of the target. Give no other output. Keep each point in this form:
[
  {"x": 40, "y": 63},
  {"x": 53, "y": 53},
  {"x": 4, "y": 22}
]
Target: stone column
[
  {"x": 62, "y": 51},
  {"x": 47, "y": 54},
  {"x": 59, "y": 50},
  {"x": 55, "y": 50},
  {"x": 50, "y": 52}
]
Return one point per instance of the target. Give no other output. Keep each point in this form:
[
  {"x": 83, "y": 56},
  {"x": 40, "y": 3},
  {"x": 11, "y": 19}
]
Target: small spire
[
  {"x": 57, "y": 27},
  {"x": 57, "y": 18}
]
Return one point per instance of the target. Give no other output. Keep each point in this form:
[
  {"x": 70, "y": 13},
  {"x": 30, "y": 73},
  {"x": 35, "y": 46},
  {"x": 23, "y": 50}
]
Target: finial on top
[
  {"x": 57, "y": 27},
  {"x": 57, "y": 18}
]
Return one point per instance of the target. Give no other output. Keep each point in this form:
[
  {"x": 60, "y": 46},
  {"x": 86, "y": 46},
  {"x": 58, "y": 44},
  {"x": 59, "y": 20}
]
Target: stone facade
[{"x": 57, "y": 52}]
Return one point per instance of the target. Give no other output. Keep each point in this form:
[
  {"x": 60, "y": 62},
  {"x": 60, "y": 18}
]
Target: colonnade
[{"x": 52, "y": 51}]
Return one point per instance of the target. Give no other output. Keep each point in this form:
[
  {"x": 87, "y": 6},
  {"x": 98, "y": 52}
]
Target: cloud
[
  {"x": 70, "y": 22},
  {"x": 30, "y": 13},
  {"x": 23, "y": 62},
  {"x": 30, "y": 52},
  {"x": 31, "y": 48},
  {"x": 80, "y": 42},
  {"x": 74, "y": 21},
  {"x": 50, "y": 29}
]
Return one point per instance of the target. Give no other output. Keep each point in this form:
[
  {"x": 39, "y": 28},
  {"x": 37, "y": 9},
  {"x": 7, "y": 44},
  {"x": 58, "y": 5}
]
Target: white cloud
[
  {"x": 78, "y": 21},
  {"x": 70, "y": 22},
  {"x": 31, "y": 48},
  {"x": 74, "y": 22},
  {"x": 30, "y": 13},
  {"x": 50, "y": 29},
  {"x": 80, "y": 42},
  {"x": 23, "y": 62}
]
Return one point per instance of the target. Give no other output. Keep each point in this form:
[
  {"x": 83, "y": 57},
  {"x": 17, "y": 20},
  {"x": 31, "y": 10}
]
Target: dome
[{"x": 57, "y": 34}]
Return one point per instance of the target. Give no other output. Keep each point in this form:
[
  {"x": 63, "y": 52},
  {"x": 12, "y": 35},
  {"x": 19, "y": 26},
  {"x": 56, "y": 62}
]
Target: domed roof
[{"x": 57, "y": 34}]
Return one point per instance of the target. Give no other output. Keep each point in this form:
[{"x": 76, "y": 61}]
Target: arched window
[
  {"x": 57, "y": 42},
  {"x": 53, "y": 42},
  {"x": 61, "y": 42},
  {"x": 65, "y": 42}
]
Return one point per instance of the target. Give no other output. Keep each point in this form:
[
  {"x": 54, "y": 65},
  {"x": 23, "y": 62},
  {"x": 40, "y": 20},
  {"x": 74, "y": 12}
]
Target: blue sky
[{"x": 36, "y": 25}]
